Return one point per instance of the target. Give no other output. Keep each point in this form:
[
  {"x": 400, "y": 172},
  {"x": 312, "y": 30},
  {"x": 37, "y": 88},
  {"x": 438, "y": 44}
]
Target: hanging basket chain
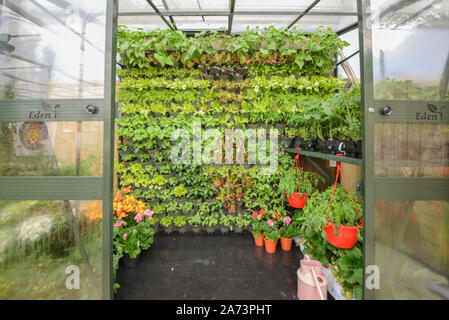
[{"x": 298, "y": 169}]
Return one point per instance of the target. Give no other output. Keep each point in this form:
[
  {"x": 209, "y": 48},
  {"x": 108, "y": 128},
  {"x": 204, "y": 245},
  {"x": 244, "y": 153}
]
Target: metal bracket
[
  {"x": 359, "y": 187},
  {"x": 321, "y": 170}
]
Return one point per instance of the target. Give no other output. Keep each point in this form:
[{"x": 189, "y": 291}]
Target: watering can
[{"x": 312, "y": 285}]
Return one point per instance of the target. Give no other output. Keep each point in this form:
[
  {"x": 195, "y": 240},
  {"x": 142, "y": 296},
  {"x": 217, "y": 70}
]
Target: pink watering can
[{"x": 312, "y": 285}]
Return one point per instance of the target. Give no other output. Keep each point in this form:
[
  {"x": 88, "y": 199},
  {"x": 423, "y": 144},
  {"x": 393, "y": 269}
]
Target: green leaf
[
  {"x": 299, "y": 59},
  {"x": 160, "y": 58},
  {"x": 358, "y": 292}
]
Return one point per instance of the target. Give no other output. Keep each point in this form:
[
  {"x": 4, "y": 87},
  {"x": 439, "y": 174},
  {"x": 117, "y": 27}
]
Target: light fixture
[{"x": 5, "y": 47}]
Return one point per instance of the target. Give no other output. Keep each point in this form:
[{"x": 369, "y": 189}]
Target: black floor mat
[{"x": 216, "y": 266}]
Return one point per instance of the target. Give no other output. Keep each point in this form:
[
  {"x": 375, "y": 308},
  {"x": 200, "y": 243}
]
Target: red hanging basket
[
  {"x": 346, "y": 238},
  {"x": 296, "y": 199},
  {"x": 347, "y": 235}
]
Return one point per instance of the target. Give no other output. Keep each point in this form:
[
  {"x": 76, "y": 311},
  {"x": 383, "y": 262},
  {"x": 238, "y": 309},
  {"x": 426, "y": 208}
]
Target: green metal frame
[
  {"x": 386, "y": 188},
  {"x": 108, "y": 144},
  {"x": 160, "y": 14},
  {"x": 213, "y": 13},
  {"x": 69, "y": 110},
  {"x": 368, "y": 163},
  {"x": 76, "y": 187},
  {"x": 310, "y": 7},
  {"x": 312, "y": 161}
]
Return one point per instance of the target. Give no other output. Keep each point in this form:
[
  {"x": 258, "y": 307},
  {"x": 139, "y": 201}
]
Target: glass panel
[
  {"x": 336, "y": 6},
  {"x": 410, "y": 50},
  {"x": 412, "y": 249},
  {"x": 197, "y": 5},
  {"x": 200, "y": 23},
  {"x": 411, "y": 150},
  {"x": 241, "y": 22},
  {"x": 51, "y": 148},
  {"x": 145, "y": 22},
  {"x": 52, "y": 49},
  {"x": 311, "y": 23},
  {"x": 297, "y": 6},
  {"x": 138, "y": 5},
  {"x": 269, "y": 5},
  {"x": 352, "y": 38},
  {"x": 46, "y": 247}
]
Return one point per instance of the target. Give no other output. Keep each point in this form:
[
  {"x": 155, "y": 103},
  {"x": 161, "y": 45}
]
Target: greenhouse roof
[{"x": 237, "y": 15}]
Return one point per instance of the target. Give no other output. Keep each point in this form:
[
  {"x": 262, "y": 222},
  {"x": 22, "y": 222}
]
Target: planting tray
[{"x": 333, "y": 287}]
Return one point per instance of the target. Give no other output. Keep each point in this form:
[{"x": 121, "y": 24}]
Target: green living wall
[{"x": 280, "y": 81}]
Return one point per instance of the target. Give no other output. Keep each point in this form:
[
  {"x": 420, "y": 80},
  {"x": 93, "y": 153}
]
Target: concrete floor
[{"x": 203, "y": 267}]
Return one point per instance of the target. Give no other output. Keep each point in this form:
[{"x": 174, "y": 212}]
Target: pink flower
[
  {"x": 138, "y": 217},
  {"x": 125, "y": 235},
  {"x": 119, "y": 224},
  {"x": 148, "y": 213},
  {"x": 270, "y": 222},
  {"x": 287, "y": 220}
]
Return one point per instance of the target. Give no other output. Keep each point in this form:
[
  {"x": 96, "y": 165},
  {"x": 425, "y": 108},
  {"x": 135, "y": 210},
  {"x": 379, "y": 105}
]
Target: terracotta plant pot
[
  {"x": 286, "y": 243},
  {"x": 346, "y": 238},
  {"x": 296, "y": 201},
  {"x": 270, "y": 246},
  {"x": 259, "y": 240}
]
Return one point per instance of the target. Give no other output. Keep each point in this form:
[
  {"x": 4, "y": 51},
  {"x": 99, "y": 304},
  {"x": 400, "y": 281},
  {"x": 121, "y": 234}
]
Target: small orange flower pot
[
  {"x": 286, "y": 243},
  {"x": 270, "y": 246},
  {"x": 259, "y": 240}
]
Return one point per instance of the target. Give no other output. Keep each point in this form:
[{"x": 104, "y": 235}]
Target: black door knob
[
  {"x": 91, "y": 109},
  {"x": 386, "y": 110}
]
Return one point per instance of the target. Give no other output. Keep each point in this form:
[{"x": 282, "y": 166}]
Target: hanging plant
[{"x": 297, "y": 184}]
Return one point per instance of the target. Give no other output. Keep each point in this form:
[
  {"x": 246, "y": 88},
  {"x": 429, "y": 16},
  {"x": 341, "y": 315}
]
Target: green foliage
[
  {"x": 227, "y": 220},
  {"x": 342, "y": 211},
  {"x": 242, "y": 220},
  {"x": 195, "y": 220},
  {"x": 306, "y": 53},
  {"x": 271, "y": 232},
  {"x": 158, "y": 181},
  {"x": 166, "y": 220},
  {"x": 350, "y": 269},
  {"x": 288, "y": 230},
  {"x": 139, "y": 237},
  {"x": 210, "y": 220},
  {"x": 179, "y": 191},
  {"x": 172, "y": 207},
  {"x": 180, "y": 221},
  {"x": 336, "y": 117},
  {"x": 308, "y": 181},
  {"x": 159, "y": 209}
]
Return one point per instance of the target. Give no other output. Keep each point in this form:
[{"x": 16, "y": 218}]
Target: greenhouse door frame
[
  {"x": 76, "y": 187},
  {"x": 403, "y": 111}
]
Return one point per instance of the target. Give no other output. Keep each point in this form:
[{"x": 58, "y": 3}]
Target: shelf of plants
[{"x": 272, "y": 79}]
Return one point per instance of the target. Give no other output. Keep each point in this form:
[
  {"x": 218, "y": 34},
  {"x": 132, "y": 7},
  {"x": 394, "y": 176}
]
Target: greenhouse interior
[{"x": 224, "y": 150}]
